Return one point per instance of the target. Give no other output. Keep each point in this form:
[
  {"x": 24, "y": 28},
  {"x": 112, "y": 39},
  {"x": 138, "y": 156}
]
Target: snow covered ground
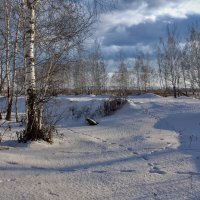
[{"x": 150, "y": 149}]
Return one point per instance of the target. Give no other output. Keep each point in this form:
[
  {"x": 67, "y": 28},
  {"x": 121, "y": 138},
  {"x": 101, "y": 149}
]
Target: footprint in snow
[
  {"x": 155, "y": 169},
  {"x": 99, "y": 171},
  {"x": 152, "y": 164},
  {"x": 145, "y": 157},
  {"x": 127, "y": 170},
  {"x": 37, "y": 168},
  {"x": 54, "y": 194},
  {"x": 67, "y": 170},
  {"x": 12, "y": 179},
  {"x": 13, "y": 163},
  {"x": 188, "y": 173},
  {"x": 130, "y": 149}
]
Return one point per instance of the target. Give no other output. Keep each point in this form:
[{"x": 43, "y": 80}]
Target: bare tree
[
  {"x": 15, "y": 30},
  {"x": 170, "y": 58},
  {"x": 121, "y": 77},
  {"x": 192, "y": 55},
  {"x": 80, "y": 72},
  {"x": 97, "y": 68}
]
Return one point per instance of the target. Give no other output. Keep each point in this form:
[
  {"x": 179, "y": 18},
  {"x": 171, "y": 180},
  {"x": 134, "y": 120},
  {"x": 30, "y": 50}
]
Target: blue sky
[{"x": 136, "y": 25}]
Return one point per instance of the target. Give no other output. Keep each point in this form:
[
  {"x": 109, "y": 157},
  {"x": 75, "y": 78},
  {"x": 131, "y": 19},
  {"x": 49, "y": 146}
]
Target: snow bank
[
  {"x": 185, "y": 97},
  {"x": 70, "y": 112},
  {"x": 148, "y": 95},
  {"x": 66, "y": 110},
  {"x": 21, "y": 104}
]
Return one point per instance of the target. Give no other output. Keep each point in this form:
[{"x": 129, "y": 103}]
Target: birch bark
[{"x": 30, "y": 89}]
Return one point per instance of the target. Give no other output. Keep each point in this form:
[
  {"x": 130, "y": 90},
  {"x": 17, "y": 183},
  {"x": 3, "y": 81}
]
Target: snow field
[{"x": 149, "y": 149}]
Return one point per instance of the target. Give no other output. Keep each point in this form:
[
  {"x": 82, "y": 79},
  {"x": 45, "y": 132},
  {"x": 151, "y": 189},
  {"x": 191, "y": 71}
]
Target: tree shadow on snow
[
  {"x": 169, "y": 184},
  {"x": 187, "y": 128},
  {"x": 13, "y": 144}
]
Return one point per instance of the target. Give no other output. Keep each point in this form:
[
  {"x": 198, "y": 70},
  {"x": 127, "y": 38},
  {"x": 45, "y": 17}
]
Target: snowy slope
[{"x": 150, "y": 149}]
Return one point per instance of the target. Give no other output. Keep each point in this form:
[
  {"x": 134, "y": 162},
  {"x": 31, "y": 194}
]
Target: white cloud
[
  {"x": 144, "y": 12},
  {"x": 138, "y": 48},
  {"x": 113, "y": 26}
]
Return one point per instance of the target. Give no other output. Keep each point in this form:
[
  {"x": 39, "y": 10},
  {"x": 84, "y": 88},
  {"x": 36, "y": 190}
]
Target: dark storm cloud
[
  {"x": 147, "y": 33},
  {"x": 142, "y": 33},
  {"x": 136, "y": 25}
]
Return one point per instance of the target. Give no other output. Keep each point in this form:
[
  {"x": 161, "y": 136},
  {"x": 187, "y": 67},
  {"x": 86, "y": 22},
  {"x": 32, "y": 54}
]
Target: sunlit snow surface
[{"x": 149, "y": 149}]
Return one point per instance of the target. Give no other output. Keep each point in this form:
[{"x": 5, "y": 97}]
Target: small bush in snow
[
  {"x": 113, "y": 104},
  {"x": 84, "y": 112},
  {"x": 21, "y": 136}
]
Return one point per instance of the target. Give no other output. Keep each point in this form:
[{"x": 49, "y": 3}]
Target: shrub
[{"x": 113, "y": 104}]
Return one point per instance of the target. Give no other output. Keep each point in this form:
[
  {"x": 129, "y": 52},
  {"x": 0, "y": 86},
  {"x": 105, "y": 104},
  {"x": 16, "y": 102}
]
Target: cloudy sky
[{"x": 135, "y": 26}]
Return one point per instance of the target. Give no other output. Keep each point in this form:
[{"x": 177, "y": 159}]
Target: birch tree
[
  {"x": 30, "y": 91},
  {"x": 121, "y": 77},
  {"x": 80, "y": 72},
  {"x": 97, "y": 69},
  {"x": 193, "y": 57},
  {"x": 171, "y": 58},
  {"x": 52, "y": 30}
]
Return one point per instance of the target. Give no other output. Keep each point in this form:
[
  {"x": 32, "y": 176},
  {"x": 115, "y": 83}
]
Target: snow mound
[
  {"x": 74, "y": 111},
  {"x": 148, "y": 95},
  {"x": 69, "y": 112},
  {"x": 185, "y": 97},
  {"x": 127, "y": 109}
]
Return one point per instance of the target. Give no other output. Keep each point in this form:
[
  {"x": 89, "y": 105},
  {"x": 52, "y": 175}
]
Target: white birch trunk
[
  {"x": 30, "y": 43},
  {"x": 30, "y": 90}
]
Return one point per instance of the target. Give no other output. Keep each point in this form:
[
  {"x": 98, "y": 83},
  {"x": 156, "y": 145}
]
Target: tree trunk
[
  {"x": 7, "y": 38},
  {"x": 9, "y": 109},
  {"x": 32, "y": 124},
  {"x": 10, "y": 102},
  {"x": 24, "y": 24},
  {"x": 174, "y": 90},
  {"x": 185, "y": 85},
  {"x": 16, "y": 108}
]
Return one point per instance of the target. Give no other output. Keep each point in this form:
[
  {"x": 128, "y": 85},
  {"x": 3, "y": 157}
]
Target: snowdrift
[
  {"x": 148, "y": 95},
  {"x": 68, "y": 112}
]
